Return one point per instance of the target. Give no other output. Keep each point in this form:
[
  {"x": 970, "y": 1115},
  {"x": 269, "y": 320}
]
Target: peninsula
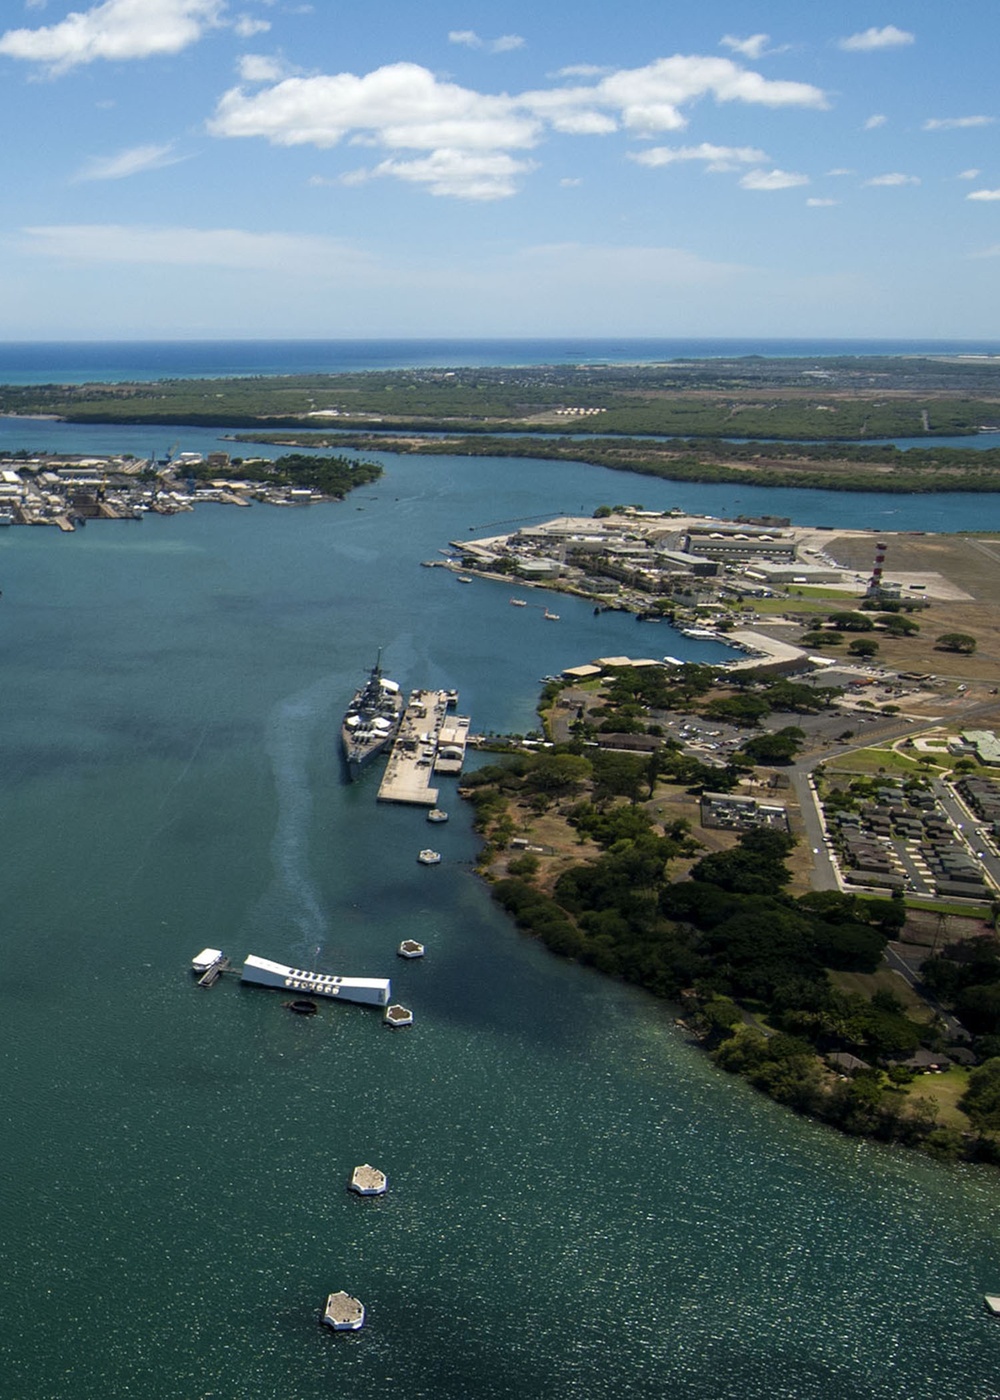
[
  {"x": 792, "y": 422},
  {"x": 800, "y": 844}
]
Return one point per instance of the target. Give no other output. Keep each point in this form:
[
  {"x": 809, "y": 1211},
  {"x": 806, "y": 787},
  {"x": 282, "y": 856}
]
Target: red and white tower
[{"x": 875, "y": 582}]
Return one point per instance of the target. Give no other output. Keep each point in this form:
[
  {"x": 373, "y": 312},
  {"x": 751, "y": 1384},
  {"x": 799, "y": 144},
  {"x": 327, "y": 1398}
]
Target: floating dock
[{"x": 209, "y": 965}]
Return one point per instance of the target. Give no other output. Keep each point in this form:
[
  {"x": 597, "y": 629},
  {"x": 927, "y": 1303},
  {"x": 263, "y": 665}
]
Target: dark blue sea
[
  {"x": 77, "y": 362},
  {"x": 581, "y": 1207}
]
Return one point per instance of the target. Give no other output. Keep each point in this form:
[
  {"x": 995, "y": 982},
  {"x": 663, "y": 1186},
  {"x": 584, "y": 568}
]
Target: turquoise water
[
  {"x": 579, "y": 1204},
  {"x": 77, "y": 362}
]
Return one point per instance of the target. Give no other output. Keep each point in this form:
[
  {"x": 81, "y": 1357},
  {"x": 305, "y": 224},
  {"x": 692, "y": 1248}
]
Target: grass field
[
  {"x": 944, "y": 1091},
  {"x": 875, "y": 760},
  {"x": 866, "y": 984}
]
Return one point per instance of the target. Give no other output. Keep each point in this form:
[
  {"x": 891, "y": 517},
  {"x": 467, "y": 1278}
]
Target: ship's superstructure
[{"x": 371, "y": 721}]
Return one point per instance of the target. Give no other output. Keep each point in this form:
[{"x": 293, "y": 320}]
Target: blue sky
[{"x": 200, "y": 168}]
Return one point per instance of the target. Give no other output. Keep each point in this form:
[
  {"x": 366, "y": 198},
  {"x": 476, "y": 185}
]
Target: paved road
[{"x": 899, "y": 964}]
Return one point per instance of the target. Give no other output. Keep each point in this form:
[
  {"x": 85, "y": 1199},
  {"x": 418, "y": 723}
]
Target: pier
[
  {"x": 430, "y": 740},
  {"x": 407, "y": 776}
]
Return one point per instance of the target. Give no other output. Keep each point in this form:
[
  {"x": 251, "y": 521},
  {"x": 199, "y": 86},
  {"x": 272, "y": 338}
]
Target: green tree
[
  {"x": 851, "y": 622},
  {"x": 981, "y": 1101},
  {"x": 956, "y": 641},
  {"x": 863, "y": 647}
]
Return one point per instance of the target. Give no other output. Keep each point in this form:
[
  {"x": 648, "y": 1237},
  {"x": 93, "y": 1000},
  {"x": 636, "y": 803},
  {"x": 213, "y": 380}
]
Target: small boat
[
  {"x": 437, "y": 815},
  {"x": 410, "y": 948},
  {"x": 463, "y": 578},
  {"x": 429, "y": 857},
  {"x": 550, "y": 616},
  {"x": 518, "y": 603},
  {"x": 344, "y": 1313}
]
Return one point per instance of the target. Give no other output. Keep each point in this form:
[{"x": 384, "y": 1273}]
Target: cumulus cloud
[
  {"x": 131, "y": 162},
  {"x": 717, "y": 158},
  {"x": 972, "y": 174},
  {"x": 889, "y": 37},
  {"x": 404, "y": 106},
  {"x": 467, "y": 37},
  {"x": 875, "y": 121},
  {"x": 955, "y": 123},
  {"x": 459, "y": 174},
  {"x": 186, "y": 247},
  {"x": 115, "y": 30},
  {"x": 753, "y": 47},
  {"x": 985, "y": 196},
  {"x": 260, "y": 68},
  {"x": 772, "y": 180},
  {"x": 893, "y": 178}
]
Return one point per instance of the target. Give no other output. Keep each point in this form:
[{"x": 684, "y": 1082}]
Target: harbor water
[{"x": 580, "y": 1205}]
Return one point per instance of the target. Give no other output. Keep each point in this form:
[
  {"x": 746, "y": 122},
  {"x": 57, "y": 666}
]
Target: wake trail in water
[{"x": 288, "y": 742}]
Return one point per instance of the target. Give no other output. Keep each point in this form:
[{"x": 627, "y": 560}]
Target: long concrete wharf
[{"x": 407, "y": 775}]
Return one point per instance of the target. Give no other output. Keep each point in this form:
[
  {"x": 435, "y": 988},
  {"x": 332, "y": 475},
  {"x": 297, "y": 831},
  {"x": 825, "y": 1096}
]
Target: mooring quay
[{"x": 430, "y": 740}]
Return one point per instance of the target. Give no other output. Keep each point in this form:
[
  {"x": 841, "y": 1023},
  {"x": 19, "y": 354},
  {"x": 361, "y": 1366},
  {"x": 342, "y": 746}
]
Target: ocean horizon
[{"x": 110, "y": 361}]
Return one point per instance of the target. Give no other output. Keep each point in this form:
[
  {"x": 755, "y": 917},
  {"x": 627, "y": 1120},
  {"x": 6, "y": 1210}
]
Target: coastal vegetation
[
  {"x": 840, "y": 466},
  {"x": 332, "y": 476},
  {"x": 595, "y": 852},
  {"x": 767, "y": 422}
]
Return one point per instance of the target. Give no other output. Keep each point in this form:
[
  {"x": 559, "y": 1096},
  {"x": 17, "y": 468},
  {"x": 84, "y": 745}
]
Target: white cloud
[
  {"x": 506, "y": 43},
  {"x": 569, "y": 182},
  {"x": 400, "y": 105},
  {"x": 259, "y": 68},
  {"x": 955, "y": 123},
  {"x": 875, "y": 121},
  {"x": 460, "y": 174},
  {"x": 717, "y": 158},
  {"x": 753, "y": 47},
  {"x": 968, "y": 174},
  {"x": 889, "y": 37},
  {"x": 841, "y": 170},
  {"x": 649, "y": 98},
  {"x": 131, "y": 162},
  {"x": 821, "y": 203},
  {"x": 772, "y": 180},
  {"x": 115, "y": 30},
  {"x": 404, "y": 106},
  {"x": 583, "y": 70},
  {"x": 894, "y": 178},
  {"x": 992, "y": 252},
  {"x": 984, "y": 196},
  {"x": 186, "y": 247},
  {"x": 246, "y": 27}
]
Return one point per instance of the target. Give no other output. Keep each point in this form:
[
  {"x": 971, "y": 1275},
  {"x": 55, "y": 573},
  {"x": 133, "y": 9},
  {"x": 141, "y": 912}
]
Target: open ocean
[
  {"x": 77, "y": 362},
  {"x": 581, "y": 1207}
]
